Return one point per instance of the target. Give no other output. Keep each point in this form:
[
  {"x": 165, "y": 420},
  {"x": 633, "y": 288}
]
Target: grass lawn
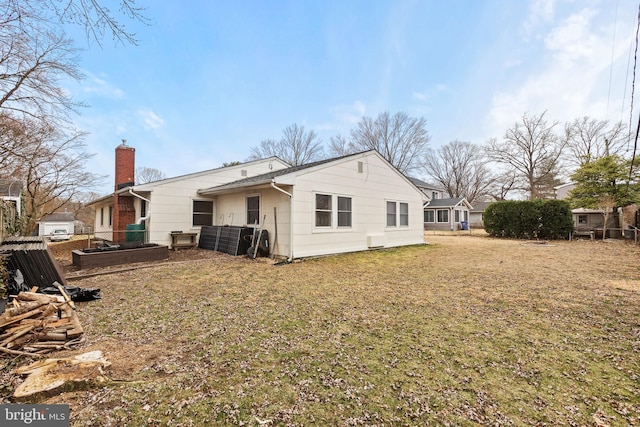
[{"x": 463, "y": 331}]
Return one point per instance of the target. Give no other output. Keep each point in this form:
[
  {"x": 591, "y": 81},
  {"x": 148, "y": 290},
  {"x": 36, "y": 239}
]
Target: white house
[
  {"x": 350, "y": 203},
  {"x": 167, "y": 205}
]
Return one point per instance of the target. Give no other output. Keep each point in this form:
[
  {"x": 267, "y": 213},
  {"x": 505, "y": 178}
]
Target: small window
[
  {"x": 391, "y": 214},
  {"x": 443, "y": 215},
  {"x": 404, "y": 214},
  {"x": 429, "y": 216},
  {"x": 323, "y": 210},
  {"x": 253, "y": 210},
  {"x": 101, "y": 216},
  {"x": 344, "y": 211},
  {"x": 434, "y": 195},
  {"x": 110, "y": 216},
  {"x": 457, "y": 215},
  {"x": 583, "y": 220},
  {"x": 202, "y": 212},
  {"x": 360, "y": 167}
]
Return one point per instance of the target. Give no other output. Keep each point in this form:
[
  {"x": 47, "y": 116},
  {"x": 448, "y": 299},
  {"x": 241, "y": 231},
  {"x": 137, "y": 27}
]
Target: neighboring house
[
  {"x": 446, "y": 214},
  {"x": 11, "y": 202},
  {"x": 587, "y": 220},
  {"x": 158, "y": 208},
  {"x": 562, "y": 191},
  {"x": 442, "y": 212},
  {"x": 56, "y": 221},
  {"x": 431, "y": 191},
  {"x": 350, "y": 203},
  {"x": 476, "y": 214}
]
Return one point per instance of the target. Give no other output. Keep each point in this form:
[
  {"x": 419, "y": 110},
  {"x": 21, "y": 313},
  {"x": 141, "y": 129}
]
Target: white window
[
  {"x": 344, "y": 211},
  {"x": 443, "y": 215},
  {"x": 391, "y": 214},
  {"x": 253, "y": 210},
  {"x": 323, "y": 210},
  {"x": 331, "y": 209},
  {"x": 202, "y": 212},
  {"x": 429, "y": 216},
  {"x": 397, "y": 214},
  {"x": 457, "y": 215},
  {"x": 404, "y": 214}
]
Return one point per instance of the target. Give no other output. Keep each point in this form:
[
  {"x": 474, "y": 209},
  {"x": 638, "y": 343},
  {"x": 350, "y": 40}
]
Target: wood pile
[{"x": 34, "y": 324}]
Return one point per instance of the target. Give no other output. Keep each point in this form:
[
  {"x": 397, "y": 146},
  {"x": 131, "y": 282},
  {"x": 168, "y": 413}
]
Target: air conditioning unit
[{"x": 376, "y": 240}]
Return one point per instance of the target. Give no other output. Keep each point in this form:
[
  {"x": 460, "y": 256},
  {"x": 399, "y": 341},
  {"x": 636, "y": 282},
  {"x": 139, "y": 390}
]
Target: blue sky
[{"x": 210, "y": 79}]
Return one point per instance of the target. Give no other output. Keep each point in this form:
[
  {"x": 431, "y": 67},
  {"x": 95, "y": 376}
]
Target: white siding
[
  {"x": 369, "y": 191},
  {"x": 171, "y": 207},
  {"x": 171, "y": 200},
  {"x": 231, "y": 210}
]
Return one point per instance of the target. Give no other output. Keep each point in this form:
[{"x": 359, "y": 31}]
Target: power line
[{"x": 633, "y": 86}]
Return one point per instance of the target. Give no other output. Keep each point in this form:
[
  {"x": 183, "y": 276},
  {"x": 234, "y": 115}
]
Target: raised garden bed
[{"x": 104, "y": 257}]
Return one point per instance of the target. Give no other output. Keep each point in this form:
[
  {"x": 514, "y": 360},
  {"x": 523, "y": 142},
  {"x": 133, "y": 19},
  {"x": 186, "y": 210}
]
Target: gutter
[{"x": 275, "y": 187}]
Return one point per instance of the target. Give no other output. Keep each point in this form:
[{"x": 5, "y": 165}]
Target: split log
[
  {"x": 32, "y": 296},
  {"x": 17, "y": 335},
  {"x": 52, "y": 374},
  {"x": 25, "y": 307}
]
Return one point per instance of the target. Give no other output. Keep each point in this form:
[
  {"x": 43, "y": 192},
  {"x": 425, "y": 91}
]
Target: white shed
[{"x": 56, "y": 221}]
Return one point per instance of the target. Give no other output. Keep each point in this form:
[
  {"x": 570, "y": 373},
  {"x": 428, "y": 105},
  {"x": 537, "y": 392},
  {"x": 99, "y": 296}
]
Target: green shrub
[{"x": 535, "y": 219}]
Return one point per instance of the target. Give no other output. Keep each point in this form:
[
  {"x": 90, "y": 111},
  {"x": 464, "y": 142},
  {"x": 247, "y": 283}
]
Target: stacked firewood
[{"x": 35, "y": 324}]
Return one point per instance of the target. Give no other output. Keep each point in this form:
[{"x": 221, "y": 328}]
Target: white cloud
[
  {"x": 151, "y": 119},
  {"x": 540, "y": 11},
  {"x": 98, "y": 86},
  {"x": 571, "y": 77},
  {"x": 420, "y": 96}
]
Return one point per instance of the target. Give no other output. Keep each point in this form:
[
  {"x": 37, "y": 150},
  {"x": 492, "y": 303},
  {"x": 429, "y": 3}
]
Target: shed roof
[
  {"x": 59, "y": 217},
  {"x": 480, "y": 206}
]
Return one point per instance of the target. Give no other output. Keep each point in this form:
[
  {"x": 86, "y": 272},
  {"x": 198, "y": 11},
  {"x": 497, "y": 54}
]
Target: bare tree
[
  {"x": 502, "y": 185},
  {"x": 400, "y": 139},
  {"x": 97, "y": 19},
  {"x": 32, "y": 66},
  {"x": 461, "y": 168},
  {"x": 296, "y": 147},
  {"x": 532, "y": 149},
  {"x": 589, "y": 139},
  {"x": 145, "y": 175},
  {"x": 51, "y": 166}
]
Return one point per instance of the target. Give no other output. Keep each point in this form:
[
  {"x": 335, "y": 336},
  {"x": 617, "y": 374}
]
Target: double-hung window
[
  {"x": 202, "y": 212},
  {"x": 253, "y": 210},
  {"x": 443, "y": 215},
  {"x": 397, "y": 214},
  {"x": 332, "y": 211},
  {"x": 344, "y": 211},
  {"x": 429, "y": 216}
]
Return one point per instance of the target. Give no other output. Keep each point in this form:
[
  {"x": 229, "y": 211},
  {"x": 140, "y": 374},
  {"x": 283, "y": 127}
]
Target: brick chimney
[{"x": 123, "y": 209}]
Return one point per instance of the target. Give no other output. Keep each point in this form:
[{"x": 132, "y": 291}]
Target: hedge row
[{"x": 534, "y": 219}]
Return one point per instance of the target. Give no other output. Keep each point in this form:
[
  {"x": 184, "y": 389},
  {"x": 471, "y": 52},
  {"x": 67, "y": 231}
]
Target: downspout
[
  {"x": 148, "y": 206},
  {"x": 273, "y": 185}
]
